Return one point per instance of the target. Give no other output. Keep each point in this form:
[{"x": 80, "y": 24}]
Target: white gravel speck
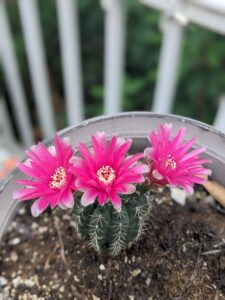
[
  {"x": 17, "y": 281},
  {"x": 148, "y": 281},
  {"x": 42, "y": 229},
  {"x": 135, "y": 272},
  {"x": 14, "y": 241},
  {"x": 3, "y": 281},
  {"x": 34, "y": 225},
  {"x": 100, "y": 277},
  {"x": 76, "y": 278},
  {"x": 102, "y": 267},
  {"x": 14, "y": 256},
  {"x": 22, "y": 211},
  {"x": 178, "y": 195},
  {"x": 29, "y": 283}
]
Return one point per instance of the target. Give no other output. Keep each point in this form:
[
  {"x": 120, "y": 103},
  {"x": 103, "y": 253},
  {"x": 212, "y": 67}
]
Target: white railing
[
  {"x": 10, "y": 67},
  {"x": 38, "y": 68},
  {"x": 176, "y": 15},
  {"x": 115, "y": 16},
  {"x": 69, "y": 41}
]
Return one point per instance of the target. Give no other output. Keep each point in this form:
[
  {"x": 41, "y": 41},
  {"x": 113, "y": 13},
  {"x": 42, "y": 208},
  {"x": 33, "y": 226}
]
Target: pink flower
[
  {"x": 52, "y": 181},
  {"x": 172, "y": 163},
  {"x": 105, "y": 171}
]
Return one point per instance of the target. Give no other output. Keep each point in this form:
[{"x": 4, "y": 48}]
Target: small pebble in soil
[
  {"x": 42, "y": 229},
  {"x": 135, "y": 272},
  {"x": 3, "y": 281},
  {"x": 14, "y": 256},
  {"x": 17, "y": 281},
  {"x": 102, "y": 267},
  {"x": 178, "y": 195},
  {"x": 29, "y": 282},
  {"x": 100, "y": 276},
  {"x": 133, "y": 258},
  {"x": 13, "y": 274},
  {"x": 76, "y": 278},
  {"x": 14, "y": 241},
  {"x": 148, "y": 281},
  {"x": 34, "y": 225},
  {"x": 66, "y": 217},
  {"x": 73, "y": 224},
  {"x": 209, "y": 199},
  {"x": 21, "y": 211},
  {"x": 184, "y": 248}
]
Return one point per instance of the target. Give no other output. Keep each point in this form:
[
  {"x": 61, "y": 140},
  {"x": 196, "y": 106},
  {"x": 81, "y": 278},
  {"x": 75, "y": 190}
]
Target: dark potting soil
[{"x": 180, "y": 256}]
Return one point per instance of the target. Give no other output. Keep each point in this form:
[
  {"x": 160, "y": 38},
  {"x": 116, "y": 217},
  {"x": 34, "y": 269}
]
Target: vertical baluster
[
  {"x": 114, "y": 54},
  {"x": 10, "y": 68},
  {"x": 168, "y": 67},
  {"x": 35, "y": 52},
  {"x": 219, "y": 122},
  {"x": 70, "y": 45},
  {"x": 6, "y": 127}
]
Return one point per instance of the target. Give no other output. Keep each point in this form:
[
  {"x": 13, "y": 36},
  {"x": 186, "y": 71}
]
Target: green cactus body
[{"x": 110, "y": 231}]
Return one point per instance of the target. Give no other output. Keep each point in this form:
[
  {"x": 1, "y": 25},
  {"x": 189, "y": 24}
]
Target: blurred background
[{"x": 113, "y": 40}]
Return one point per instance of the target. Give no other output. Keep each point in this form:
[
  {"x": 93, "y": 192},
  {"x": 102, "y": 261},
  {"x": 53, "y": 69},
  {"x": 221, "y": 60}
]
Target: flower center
[
  {"x": 106, "y": 174},
  {"x": 58, "y": 178},
  {"x": 170, "y": 162}
]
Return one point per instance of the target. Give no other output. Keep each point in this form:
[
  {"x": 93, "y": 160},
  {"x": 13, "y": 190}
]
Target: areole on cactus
[{"x": 107, "y": 189}]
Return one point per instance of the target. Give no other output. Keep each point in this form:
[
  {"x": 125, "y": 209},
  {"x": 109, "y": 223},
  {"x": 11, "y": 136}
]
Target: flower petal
[
  {"x": 67, "y": 199},
  {"x": 157, "y": 175},
  {"x": 102, "y": 198},
  {"x": 52, "y": 150},
  {"x": 39, "y": 206},
  {"x": 116, "y": 201},
  {"x": 140, "y": 169},
  {"x": 129, "y": 189},
  {"x": 148, "y": 152},
  {"x": 26, "y": 194},
  {"x": 172, "y": 161},
  {"x": 43, "y": 163},
  {"x": 88, "y": 197}
]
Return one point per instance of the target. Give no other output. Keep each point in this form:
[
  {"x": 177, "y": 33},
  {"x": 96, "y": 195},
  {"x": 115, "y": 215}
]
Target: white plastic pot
[{"x": 135, "y": 125}]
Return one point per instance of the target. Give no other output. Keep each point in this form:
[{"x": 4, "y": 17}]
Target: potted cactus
[{"x": 110, "y": 181}]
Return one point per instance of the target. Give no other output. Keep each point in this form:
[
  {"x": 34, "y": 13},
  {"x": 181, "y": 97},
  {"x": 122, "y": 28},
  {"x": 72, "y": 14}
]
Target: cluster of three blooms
[{"x": 106, "y": 170}]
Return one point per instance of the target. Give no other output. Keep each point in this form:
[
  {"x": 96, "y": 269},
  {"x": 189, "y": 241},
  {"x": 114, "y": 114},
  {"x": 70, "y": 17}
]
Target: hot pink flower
[
  {"x": 172, "y": 163},
  {"x": 105, "y": 171},
  {"x": 52, "y": 182}
]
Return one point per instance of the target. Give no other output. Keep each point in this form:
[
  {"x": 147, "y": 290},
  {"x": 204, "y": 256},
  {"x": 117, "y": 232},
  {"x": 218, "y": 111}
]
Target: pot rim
[{"x": 94, "y": 120}]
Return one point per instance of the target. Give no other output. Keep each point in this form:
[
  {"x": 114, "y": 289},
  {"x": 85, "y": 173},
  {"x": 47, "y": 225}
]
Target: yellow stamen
[
  {"x": 106, "y": 174},
  {"x": 58, "y": 178},
  {"x": 171, "y": 163}
]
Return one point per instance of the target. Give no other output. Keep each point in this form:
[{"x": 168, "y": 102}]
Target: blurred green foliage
[{"x": 202, "y": 69}]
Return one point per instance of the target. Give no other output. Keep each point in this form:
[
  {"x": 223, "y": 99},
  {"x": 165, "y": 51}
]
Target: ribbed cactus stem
[
  {"x": 118, "y": 231},
  {"x": 110, "y": 231}
]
